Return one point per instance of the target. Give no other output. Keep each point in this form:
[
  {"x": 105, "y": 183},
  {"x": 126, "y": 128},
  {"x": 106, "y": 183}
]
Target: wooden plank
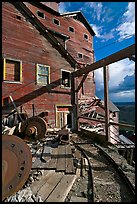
[
  {"x": 36, "y": 185},
  {"x": 36, "y": 160},
  {"x": 53, "y": 162},
  {"x": 61, "y": 160},
  {"x": 62, "y": 189},
  {"x": 50, "y": 185},
  {"x": 78, "y": 199},
  {"x": 69, "y": 160},
  {"x": 46, "y": 153}
]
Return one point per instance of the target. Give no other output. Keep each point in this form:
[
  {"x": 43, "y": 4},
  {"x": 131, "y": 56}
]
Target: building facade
[{"x": 40, "y": 49}]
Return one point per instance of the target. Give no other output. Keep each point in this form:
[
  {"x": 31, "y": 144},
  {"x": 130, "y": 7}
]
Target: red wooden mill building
[{"x": 41, "y": 48}]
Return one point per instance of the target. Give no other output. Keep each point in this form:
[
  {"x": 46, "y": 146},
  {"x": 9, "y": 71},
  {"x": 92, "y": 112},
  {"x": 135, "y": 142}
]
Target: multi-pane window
[
  {"x": 65, "y": 79},
  {"x": 43, "y": 74},
  {"x": 12, "y": 70}
]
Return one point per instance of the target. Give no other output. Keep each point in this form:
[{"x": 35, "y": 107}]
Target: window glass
[{"x": 42, "y": 74}]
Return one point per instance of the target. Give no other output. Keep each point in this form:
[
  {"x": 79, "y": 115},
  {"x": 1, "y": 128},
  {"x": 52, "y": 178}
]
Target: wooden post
[
  {"x": 105, "y": 71},
  {"x": 33, "y": 109},
  {"x": 131, "y": 156},
  {"x": 21, "y": 109}
]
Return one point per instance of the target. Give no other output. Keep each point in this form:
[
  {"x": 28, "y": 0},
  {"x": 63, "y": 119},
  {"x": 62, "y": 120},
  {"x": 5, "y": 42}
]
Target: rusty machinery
[
  {"x": 16, "y": 164},
  {"x": 16, "y": 154}
]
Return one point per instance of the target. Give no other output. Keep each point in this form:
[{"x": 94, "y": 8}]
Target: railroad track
[
  {"x": 98, "y": 178},
  {"x": 106, "y": 180}
]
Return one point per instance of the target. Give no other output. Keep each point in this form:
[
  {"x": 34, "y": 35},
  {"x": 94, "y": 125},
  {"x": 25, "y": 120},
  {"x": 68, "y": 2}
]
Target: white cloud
[
  {"x": 62, "y": 7},
  {"x": 97, "y": 30},
  {"x": 99, "y": 79},
  {"x": 97, "y": 8},
  {"x": 127, "y": 26},
  {"x": 123, "y": 96},
  {"x": 117, "y": 72}
]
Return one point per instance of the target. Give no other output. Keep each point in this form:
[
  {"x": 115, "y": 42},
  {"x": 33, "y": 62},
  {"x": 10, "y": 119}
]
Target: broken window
[
  {"x": 43, "y": 74},
  {"x": 65, "y": 79},
  {"x": 40, "y": 14},
  {"x": 12, "y": 70},
  {"x": 57, "y": 22},
  {"x": 71, "y": 29}
]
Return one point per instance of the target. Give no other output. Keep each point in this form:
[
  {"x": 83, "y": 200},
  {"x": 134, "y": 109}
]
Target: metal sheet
[{"x": 16, "y": 164}]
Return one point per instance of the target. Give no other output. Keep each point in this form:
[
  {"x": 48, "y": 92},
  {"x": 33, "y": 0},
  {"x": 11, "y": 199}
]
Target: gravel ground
[{"x": 108, "y": 184}]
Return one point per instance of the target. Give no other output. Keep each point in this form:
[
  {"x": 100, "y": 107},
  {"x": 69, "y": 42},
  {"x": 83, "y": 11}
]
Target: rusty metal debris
[
  {"x": 16, "y": 164},
  {"x": 34, "y": 128}
]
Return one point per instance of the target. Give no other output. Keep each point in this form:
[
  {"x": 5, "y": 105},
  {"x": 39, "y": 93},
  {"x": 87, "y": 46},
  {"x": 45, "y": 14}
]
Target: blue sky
[{"x": 114, "y": 25}]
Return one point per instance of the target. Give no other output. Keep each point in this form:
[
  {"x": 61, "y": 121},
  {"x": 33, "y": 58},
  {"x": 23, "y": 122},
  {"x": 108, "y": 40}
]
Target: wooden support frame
[
  {"x": 122, "y": 54},
  {"x": 105, "y": 72},
  {"x": 82, "y": 81}
]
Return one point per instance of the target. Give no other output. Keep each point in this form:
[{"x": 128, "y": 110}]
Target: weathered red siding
[{"x": 22, "y": 41}]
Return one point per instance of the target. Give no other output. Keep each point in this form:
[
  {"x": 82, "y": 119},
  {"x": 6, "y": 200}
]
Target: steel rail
[
  {"x": 91, "y": 196},
  {"x": 118, "y": 169},
  {"x": 114, "y": 164}
]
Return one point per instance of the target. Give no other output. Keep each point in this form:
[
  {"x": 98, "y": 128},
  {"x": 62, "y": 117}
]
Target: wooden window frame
[
  {"x": 62, "y": 85},
  {"x": 54, "y": 19},
  {"x": 70, "y": 30},
  {"x": 37, "y": 74},
  {"x": 4, "y": 70}
]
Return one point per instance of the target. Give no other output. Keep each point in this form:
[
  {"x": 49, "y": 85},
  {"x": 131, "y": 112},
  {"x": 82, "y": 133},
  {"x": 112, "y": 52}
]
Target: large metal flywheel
[
  {"x": 16, "y": 164},
  {"x": 34, "y": 127}
]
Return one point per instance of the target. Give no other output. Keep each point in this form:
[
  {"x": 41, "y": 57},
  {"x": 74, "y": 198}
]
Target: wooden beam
[
  {"x": 105, "y": 73},
  {"x": 82, "y": 81},
  {"x": 132, "y": 127},
  {"x": 122, "y": 54},
  {"x": 93, "y": 119}
]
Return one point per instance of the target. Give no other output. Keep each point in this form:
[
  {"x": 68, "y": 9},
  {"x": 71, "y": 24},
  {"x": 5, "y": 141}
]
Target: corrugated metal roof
[
  {"x": 125, "y": 140},
  {"x": 112, "y": 107}
]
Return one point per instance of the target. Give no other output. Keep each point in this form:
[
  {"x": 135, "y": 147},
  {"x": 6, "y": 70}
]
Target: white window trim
[
  {"x": 38, "y": 83},
  {"x": 56, "y": 20},
  {"x": 62, "y": 86},
  {"x": 40, "y": 12},
  {"x": 87, "y": 36},
  {"x": 4, "y": 70},
  {"x": 81, "y": 54},
  {"x": 71, "y": 31}
]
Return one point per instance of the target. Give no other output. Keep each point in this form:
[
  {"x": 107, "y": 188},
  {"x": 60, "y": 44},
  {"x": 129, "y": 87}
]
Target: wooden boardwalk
[
  {"x": 58, "y": 158},
  {"x": 53, "y": 186}
]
